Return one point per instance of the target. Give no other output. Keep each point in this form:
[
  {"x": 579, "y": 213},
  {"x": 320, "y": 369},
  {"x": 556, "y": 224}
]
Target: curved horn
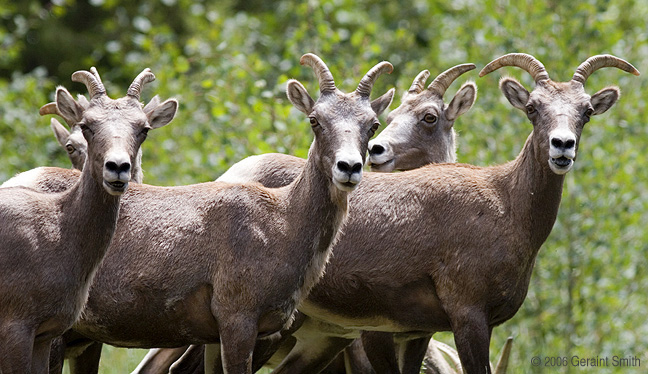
[
  {"x": 367, "y": 82},
  {"x": 49, "y": 108},
  {"x": 441, "y": 83},
  {"x": 521, "y": 60},
  {"x": 419, "y": 82},
  {"x": 601, "y": 61},
  {"x": 324, "y": 76},
  {"x": 91, "y": 81},
  {"x": 136, "y": 87},
  {"x": 94, "y": 72}
]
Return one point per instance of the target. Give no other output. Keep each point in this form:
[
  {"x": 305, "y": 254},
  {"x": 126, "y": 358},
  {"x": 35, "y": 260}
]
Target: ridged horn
[
  {"x": 49, "y": 108},
  {"x": 94, "y": 72},
  {"x": 441, "y": 83},
  {"x": 91, "y": 81},
  {"x": 136, "y": 87},
  {"x": 601, "y": 61},
  {"x": 418, "y": 85},
  {"x": 324, "y": 76},
  {"x": 521, "y": 60},
  {"x": 367, "y": 82}
]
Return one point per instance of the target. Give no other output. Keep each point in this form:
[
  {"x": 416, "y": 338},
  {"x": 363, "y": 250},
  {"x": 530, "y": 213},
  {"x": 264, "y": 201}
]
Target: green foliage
[{"x": 228, "y": 62}]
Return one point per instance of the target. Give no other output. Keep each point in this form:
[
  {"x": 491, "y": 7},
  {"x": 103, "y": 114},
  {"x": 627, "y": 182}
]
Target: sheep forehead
[
  {"x": 414, "y": 106},
  {"x": 126, "y": 111},
  {"x": 340, "y": 107},
  {"x": 566, "y": 93},
  {"x": 560, "y": 103}
]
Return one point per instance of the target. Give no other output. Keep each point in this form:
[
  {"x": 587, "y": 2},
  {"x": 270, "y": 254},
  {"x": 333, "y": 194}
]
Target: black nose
[
  {"x": 349, "y": 169},
  {"x": 112, "y": 166},
  {"x": 559, "y": 143},
  {"x": 376, "y": 150}
]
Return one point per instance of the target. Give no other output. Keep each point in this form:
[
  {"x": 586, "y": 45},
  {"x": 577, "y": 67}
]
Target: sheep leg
[
  {"x": 16, "y": 348},
  {"x": 159, "y": 360},
  {"x": 381, "y": 351},
  {"x": 313, "y": 355},
  {"x": 355, "y": 359},
  {"x": 40, "y": 357},
  {"x": 88, "y": 361},
  {"x": 57, "y": 356},
  {"x": 193, "y": 361},
  {"x": 412, "y": 353},
  {"x": 472, "y": 338},
  {"x": 238, "y": 336}
]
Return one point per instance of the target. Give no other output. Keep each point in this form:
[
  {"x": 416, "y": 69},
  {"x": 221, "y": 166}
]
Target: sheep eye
[
  {"x": 374, "y": 128},
  {"x": 589, "y": 112},
  {"x": 85, "y": 129},
  {"x": 430, "y": 118},
  {"x": 530, "y": 109},
  {"x": 313, "y": 121},
  {"x": 70, "y": 148}
]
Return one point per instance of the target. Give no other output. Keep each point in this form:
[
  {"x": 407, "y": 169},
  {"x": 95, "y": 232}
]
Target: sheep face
[
  {"x": 558, "y": 112},
  {"x": 420, "y": 131}
]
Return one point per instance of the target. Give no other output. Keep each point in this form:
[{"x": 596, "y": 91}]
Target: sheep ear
[
  {"x": 83, "y": 101},
  {"x": 154, "y": 103},
  {"x": 515, "y": 93},
  {"x": 299, "y": 97},
  {"x": 69, "y": 109},
  {"x": 604, "y": 99},
  {"x": 162, "y": 114},
  {"x": 462, "y": 101},
  {"x": 380, "y": 104},
  {"x": 60, "y": 132}
]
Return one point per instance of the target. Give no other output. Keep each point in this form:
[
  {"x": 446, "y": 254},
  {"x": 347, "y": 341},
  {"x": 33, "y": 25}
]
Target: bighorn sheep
[
  {"x": 52, "y": 179},
  {"x": 75, "y": 144},
  {"x": 51, "y": 244},
  {"x": 46, "y": 179},
  {"x": 451, "y": 247},
  {"x": 421, "y": 129},
  {"x": 422, "y": 120},
  {"x": 253, "y": 252}
]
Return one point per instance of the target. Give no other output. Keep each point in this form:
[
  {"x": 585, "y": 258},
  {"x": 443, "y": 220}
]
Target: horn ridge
[
  {"x": 366, "y": 83},
  {"x": 594, "y": 63},
  {"x": 91, "y": 80},
  {"x": 324, "y": 76},
  {"x": 142, "y": 78},
  {"x": 521, "y": 60},
  {"x": 441, "y": 83},
  {"x": 419, "y": 82}
]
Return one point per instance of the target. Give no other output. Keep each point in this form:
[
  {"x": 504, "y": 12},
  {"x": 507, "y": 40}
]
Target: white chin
[
  {"x": 115, "y": 188},
  {"x": 346, "y": 186},
  {"x": 561, "y": 168},
  {"x": 384, "y": 167}
]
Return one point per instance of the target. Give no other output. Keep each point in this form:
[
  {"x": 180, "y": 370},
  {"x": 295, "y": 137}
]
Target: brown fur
[
  {"x": 447, "y": 247},
  {"x": 420, "y": 131},
  {"x": 451, "y": 246},
  {"x": 52, "y": 243},
  {"x": 403, "y": 123},
  {"x": 254, "y": 252}
]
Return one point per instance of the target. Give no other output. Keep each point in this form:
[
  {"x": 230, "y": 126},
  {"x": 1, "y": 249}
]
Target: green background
[{"x": 227, "y": 63}]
